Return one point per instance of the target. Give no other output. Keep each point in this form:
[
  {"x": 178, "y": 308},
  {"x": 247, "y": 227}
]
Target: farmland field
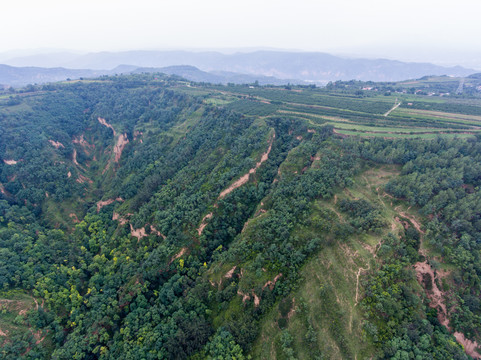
[{"x": 355, "y": 113}]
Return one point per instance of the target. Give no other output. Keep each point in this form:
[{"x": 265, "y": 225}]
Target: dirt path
[
  {"x": 393, "y": 108},
  {"x": 245, "y": 178},
  {"x": 357, "y": 281},
  {"x": 203, "y": 223},
  {"x": 241, "y": 181},
  {"x": 178, "y": 255}
]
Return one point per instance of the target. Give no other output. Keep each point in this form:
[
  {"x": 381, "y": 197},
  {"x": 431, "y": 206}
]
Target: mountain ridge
[{"x": 315, "y": 67}]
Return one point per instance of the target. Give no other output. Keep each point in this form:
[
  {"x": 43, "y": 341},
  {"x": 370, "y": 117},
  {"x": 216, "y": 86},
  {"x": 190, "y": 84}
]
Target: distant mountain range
[
  {"x": 274, "y": 67},
  {"x": 217, "y": 77},
  {"x": 21, "y": 76}
]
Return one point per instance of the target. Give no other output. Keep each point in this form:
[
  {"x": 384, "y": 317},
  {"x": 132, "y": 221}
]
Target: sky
[{"x": 407, "y": 29}]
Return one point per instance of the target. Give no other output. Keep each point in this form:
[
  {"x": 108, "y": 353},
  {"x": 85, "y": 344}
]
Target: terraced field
[{"x": 395, "y": 116}]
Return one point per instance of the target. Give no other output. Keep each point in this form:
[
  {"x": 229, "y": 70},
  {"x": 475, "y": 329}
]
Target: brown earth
[
  {"x": 246, "y": 297},
  {"x": 74, "y": 218},
  {"x": 425, "y": 273},
  {"x": 119, "y": 146},
  {"x": 121, "y": 220},
  {"x": 245, "y": 178},
  {"x": 101, "y": 204},
  {"x": 56, "y": 144},
  {"x": 138, "y": 134},
  {"x": 10, "y": 162},
  {"x": 293, "y": 309},
  {"x": 272, "y": 283},
  {"x": 178, "y": 255},
  {"x": 257, "y": 301},
  {"x": 74, "y": 157},
  {"x": 105, "y": 123},
  {"x": 415, "y": 223},
  {"x": 469, "y": 346},
  {"x": 257, "y": 214},
  {"x": 203, "y": 223},
  {"x": 85, "y": 145},
  {"x": 157, "y": 232},
  {"x": 82, "y": 179},
  {"x": 229, "y": 274},
  {"x": 138, "y": 233},
  {"x": 426, "y": 276}
]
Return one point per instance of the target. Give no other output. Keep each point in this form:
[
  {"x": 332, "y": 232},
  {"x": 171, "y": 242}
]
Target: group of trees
[{"x": 108, "y": 294}]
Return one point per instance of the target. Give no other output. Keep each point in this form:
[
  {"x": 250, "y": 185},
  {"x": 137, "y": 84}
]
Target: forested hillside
[{"x": 147, "y": 217}]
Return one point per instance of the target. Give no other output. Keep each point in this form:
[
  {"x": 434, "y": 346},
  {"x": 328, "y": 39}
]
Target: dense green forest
[{"x": 147, "y": 217}]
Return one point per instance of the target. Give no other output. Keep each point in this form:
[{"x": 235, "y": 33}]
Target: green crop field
[{"x": 396, "y": 116}]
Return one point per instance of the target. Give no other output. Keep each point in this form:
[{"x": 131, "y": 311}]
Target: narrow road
[
  {"x": 393, "y": 108},
  {"x": 460, "y": 87}
]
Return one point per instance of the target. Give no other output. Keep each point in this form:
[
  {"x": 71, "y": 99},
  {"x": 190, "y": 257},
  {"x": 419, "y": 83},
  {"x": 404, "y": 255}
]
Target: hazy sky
[{"x": 356, "y": 26}]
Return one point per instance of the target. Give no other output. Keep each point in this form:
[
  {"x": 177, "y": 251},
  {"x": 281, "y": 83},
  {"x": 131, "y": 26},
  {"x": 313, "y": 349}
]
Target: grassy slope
[
  {"x": 324, "y": 318},
  {"x": 14, "y": 306}
]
